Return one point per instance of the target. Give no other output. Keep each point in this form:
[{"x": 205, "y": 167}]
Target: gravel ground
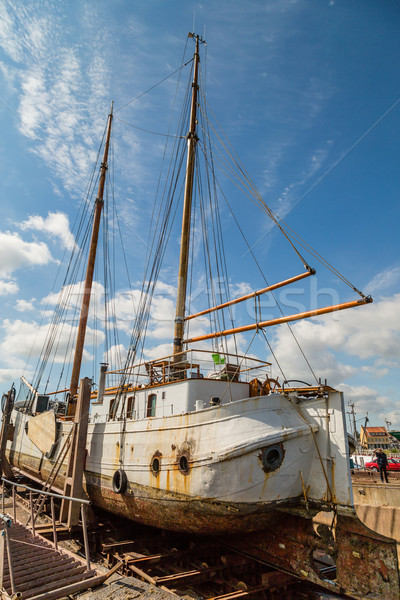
[{"x": 126, "y": 588}]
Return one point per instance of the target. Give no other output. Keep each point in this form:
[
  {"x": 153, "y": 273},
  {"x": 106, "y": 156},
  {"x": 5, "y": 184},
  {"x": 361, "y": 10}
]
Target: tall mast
[
  {"x": 89, "y": 272},
  {"x": 187, "y": 210}
]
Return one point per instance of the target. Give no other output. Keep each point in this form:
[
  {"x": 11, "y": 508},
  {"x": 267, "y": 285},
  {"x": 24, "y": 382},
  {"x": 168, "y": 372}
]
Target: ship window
[
  {"x": 183, "y": 464},
  {"x": 110, "y": 412},
  {"x": 151, "y": 405},
  {"x": 130, "y": 405},
  {"x": 155, "y": 465},
  {"x": 272, "y": 457}
]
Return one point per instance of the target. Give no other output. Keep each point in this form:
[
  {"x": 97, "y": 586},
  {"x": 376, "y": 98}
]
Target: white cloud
[
  {"x": 70, "y": 298},
  {"x": 292, "y": 193},
  {"x": 388, "y": 278},
  {"x": 8, "y": 376},
  {"x": 8, "y": 287},
  {"x": 115, "y": 357},
  {"x": 162, "y": 314},
  {"x": 16, "y": 253},
  {"x": 364, "y": 333},
  {"x": 375, "y": 370},
  {"x": 24, "y": 305},
  {"x": 160, "y": 350},
  {"x": 9, "y": 39},
  {"x": 124, "y": 307},
  {"x": 62, "y": 88},
  {"x": 23, "y": 339},
  {"x": 55, "y": 224},
  {"x": 368, "y": 400},
  {"x": 335, "y": 346}
]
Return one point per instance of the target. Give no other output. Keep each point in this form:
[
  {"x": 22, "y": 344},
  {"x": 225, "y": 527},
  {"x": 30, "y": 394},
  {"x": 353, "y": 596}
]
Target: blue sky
[{"x": 308, "y": 94}]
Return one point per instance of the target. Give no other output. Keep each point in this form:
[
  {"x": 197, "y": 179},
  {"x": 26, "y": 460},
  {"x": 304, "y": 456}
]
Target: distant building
[{"x": 372, "y": 438}]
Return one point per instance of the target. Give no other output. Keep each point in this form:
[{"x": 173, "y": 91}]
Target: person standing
[{"x": 382, "y": 461}]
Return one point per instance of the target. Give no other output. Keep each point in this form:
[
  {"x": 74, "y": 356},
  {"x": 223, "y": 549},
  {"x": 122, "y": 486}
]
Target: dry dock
[
  {"x": 378, "y": 504},
  {"x": 150, "y": 563}
]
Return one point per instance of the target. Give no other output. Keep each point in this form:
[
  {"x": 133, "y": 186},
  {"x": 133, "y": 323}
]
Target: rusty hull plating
[{"x": 366, "y": 562}]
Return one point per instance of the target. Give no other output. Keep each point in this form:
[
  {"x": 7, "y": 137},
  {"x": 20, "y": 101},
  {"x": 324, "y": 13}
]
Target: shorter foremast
[{"x": 80, "y": 341}]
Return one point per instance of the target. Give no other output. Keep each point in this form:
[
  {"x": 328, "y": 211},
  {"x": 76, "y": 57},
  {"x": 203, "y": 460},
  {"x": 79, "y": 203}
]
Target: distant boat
[{"x": 200, "y": 440}]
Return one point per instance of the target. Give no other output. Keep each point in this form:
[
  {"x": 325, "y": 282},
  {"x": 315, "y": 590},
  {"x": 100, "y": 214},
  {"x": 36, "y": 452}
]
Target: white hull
[{"x": 226, "y": 483}]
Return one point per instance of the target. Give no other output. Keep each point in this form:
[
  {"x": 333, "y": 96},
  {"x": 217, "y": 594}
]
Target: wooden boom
[
  {"x": 270, "y": 288},
  {"x": 280, "y": 320}
]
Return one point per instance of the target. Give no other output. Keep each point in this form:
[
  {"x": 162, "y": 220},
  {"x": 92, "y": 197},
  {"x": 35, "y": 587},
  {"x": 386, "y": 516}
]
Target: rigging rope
[
  {"x": 154, "y": 86},
  {"x": 167, "y": 135},
  {"x": 284, "y": 228}
]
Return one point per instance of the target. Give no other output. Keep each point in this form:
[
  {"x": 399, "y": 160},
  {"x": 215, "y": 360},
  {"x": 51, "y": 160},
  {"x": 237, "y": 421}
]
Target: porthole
[
  {"x": 155, "y": 463},
  {"x": 183, "y": 464},
  {"x": 272, "y": 457}
]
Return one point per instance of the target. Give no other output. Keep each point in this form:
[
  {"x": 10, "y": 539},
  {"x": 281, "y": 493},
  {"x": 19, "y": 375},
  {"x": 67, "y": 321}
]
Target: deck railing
[{"x": 193, "y": 363}]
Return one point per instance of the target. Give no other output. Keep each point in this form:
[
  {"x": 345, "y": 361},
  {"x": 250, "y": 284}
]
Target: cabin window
[
  {"x": 130, "y": 407},
  {"x": 111, "y": 409},
  {"x": 151, "y": 405}
]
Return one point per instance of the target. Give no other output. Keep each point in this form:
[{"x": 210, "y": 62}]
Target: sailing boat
[{"x": 201, "y": 440}]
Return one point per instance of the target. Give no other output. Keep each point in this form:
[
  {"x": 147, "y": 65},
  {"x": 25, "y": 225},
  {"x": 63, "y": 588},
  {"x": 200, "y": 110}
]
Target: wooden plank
[
  {"x": 42, "y": 431},
  {"x": 193, "y": 575},
  {"x": 70, "y": 511},
  {"x": 44, "y": 562},
  {"x": 43, "y": 572},
  {"x": 240, "y": 593},
  {"x": 142, "y": 574},
  {"x": 30, "y": 583},
  {"x": 67, "y": 590},
  {"x": 5, "y": 468},
  {"x": 107, "y": 546}
]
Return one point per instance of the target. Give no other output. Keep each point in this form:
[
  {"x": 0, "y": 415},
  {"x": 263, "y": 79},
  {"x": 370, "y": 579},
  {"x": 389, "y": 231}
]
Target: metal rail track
[{"x": 201, "y": 567}]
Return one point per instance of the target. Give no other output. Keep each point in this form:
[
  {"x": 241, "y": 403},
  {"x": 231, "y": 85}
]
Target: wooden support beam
[
  {"x": 249, "y": 593},
  {"x": 5, "y": 468},
  {"x": 73, "y": 486}
]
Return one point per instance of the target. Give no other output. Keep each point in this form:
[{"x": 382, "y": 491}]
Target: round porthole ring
[
  {"x": 183, "y": 464},
  {"x": 155, "y": 465},
  {"x": 272, "y": 457}
]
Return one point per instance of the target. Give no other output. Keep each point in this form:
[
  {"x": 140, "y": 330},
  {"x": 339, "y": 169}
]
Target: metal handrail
[
  {"x": 84, "y": 503},
  {"x": 5, "y": 541},
  {"x": 36, "y": 491}
]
